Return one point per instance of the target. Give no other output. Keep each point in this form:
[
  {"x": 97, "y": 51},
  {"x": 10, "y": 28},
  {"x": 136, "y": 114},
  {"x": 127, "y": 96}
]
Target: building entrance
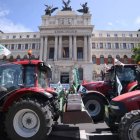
[{"x": 64, "y": 78}]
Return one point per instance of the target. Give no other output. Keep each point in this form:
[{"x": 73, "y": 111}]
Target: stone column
[
  {"x": 45, "y": 49},
  {"x": 56, "y": 47},
  {"x": 41, "y": 49},
  {"x": 89, "y": 49},
  {"x": 70, "y": 47},
  {"x": 75, "y": 49},
  {"x": 60, "y": 47},
  {"x": 85, "y": 48}
]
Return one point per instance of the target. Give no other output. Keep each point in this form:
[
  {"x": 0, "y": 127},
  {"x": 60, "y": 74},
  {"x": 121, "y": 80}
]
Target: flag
[
  {"x": 82, "y": 89},
  {"x": 4, "y": 50},
  {"x": 76, "y": 77},
  {"x": 106, "y": 68},
  {"x": 117, "y": 62},
  {"x": 59, "y": 87},
  {"x": 119, "y": 85}
]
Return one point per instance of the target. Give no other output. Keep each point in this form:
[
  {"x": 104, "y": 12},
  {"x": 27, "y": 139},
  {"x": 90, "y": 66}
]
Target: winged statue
[{"x": 49, "y": 10}]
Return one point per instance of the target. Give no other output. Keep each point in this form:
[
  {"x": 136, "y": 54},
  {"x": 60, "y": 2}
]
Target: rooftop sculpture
[
  {"x": 85, "y": 9},
  {"x": 66, "y": 6},
  {"x": 49, "y": 10}
]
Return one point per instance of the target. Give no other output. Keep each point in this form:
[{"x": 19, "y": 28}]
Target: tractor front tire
[
  {"x": 129, "y": 127},
  {"x": 28, "y": 119},
  {"x": 95, "y": 106}
]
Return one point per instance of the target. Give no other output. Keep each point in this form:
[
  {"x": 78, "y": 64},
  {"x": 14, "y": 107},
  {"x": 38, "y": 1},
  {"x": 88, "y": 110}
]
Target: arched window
[
  {"x": 109, "y": 59},
  {"x": 11, "y": 58},
  {"x": 80, "y": 70},
  {"x": 94, "y": 59},
  {"x": 4, "y": 57},
  {"x": 125, "y": 59},
  {"x": 118, "y": 57},
  {"x": 25, "y": 57},
  {"x": 18, "y": 57},
  {"x": 32, "y": 57},
  {"x": 102, "y": 61}
]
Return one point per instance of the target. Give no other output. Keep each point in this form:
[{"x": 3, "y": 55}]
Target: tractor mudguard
[
  {"x": 29, "y": 92},
  {"x": 96, "y": 93},
  {"x": 131, "y": 86}
]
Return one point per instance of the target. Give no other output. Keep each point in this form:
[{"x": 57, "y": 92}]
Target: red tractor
[
  {"x": 28, "y": 107},
  {"x": 123, "y": 114},
  {"x": 100, "y": 93}
]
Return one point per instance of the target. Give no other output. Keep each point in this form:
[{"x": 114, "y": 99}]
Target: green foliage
[{"x": 136, "y": 53}]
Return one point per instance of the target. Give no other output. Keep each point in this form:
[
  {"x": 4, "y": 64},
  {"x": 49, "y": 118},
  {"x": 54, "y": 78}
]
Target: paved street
[
  {"x": 83, "y": 132},
  {"x": 80, "y": 132}
]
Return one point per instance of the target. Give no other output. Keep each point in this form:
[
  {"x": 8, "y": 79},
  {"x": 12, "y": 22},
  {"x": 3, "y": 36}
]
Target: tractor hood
[
  {"x": 100, "y": 86},
  {"x": 93, "y": 85},
  {"x": 128, "y": 97}
]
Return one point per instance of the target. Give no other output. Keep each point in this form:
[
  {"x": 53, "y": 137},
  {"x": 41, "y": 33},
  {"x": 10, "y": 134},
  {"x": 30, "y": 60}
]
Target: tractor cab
[
  {"x": 24, "y": 74},
  {"x": 126, "y": 74}
]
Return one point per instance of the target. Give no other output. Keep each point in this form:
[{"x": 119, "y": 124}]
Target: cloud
[
  {"x": 110, "y": 23},
  {"x": 7, "y": 25},
  {"x": 137, "y": 21},
  {"x": 4, "y": 13}
]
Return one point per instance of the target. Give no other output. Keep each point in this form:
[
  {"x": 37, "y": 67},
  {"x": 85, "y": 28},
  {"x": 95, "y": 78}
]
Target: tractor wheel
[
  {"x": 129, "y": 127},
  {"x": 95, "y": 106},
  {"x": 28, "y": 119},
  {"x": 111, "y": 124}
]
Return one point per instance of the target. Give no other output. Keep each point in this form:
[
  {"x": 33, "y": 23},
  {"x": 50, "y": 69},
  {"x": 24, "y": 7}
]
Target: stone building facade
[{"x": 67, "y": 40}]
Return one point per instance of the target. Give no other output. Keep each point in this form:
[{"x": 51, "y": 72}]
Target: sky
[{"x": 25, "y": 15}]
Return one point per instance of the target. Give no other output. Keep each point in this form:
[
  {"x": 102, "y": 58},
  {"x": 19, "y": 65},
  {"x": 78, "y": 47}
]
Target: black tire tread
[
  {"x": 126, "y": 121},
  {"x": 45, "y": 112}
]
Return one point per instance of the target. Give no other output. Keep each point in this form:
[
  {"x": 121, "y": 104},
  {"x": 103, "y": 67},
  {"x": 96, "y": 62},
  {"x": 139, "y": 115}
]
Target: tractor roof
[
  {"x": 25, "y": 62},
  {"x": 125, "y": 65}
]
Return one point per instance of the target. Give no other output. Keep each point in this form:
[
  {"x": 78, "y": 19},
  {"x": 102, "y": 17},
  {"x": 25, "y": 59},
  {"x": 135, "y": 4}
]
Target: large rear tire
[
  {"x": 129, "y": 127},
  {"x": 95, "y": 106},
  {"x": 28, "y": 120}
]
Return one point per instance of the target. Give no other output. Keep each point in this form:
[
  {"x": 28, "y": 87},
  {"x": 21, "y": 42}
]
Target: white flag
[
  {"x": 4, "y": 51},
  {"x": 117, "y": 62},
  {"x": 82, "y": 89},
  {"x": 59, "y": 87},
  {"x": 119, "y": 85}
]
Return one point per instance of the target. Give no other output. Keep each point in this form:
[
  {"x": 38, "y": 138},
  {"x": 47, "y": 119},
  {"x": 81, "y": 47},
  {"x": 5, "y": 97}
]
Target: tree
[{"x": 136, "y": 53}]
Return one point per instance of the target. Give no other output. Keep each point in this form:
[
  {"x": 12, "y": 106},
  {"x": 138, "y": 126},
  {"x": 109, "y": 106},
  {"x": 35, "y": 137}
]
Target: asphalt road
[{"x": 87, "y": 131}]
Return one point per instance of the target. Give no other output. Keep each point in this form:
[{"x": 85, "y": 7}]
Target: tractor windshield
[
  {"x": 10, "y": 76},
  {"x": 126, "y": 74}
]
